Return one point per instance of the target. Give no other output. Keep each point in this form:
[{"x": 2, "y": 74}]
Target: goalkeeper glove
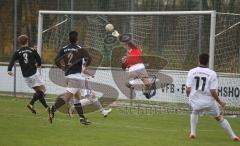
[{"x": 115, "y": 33}]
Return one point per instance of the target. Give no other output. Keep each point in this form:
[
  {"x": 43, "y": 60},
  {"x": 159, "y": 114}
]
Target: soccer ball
[{"x": 109, "y": 27}]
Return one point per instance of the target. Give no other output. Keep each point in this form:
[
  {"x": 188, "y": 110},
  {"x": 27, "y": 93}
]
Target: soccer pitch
[{"x": 20, "y": 127}]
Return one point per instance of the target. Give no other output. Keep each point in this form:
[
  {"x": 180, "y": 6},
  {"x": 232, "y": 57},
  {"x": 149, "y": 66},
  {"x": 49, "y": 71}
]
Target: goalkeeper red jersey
[{"x": 134, "y": 56}]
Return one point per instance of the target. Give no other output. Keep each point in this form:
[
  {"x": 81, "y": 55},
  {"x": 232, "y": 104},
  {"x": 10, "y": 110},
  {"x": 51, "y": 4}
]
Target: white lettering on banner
[{"x": 228, "y": 90}]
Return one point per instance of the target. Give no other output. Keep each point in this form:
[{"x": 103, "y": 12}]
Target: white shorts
[
  {"x": 137, "y": 71},
  {"x": 136, "y": 67},
  {"x": 213, "y": 110},
  {"x": 75, "y": 82},
  {"x": 34, "y": 80}
]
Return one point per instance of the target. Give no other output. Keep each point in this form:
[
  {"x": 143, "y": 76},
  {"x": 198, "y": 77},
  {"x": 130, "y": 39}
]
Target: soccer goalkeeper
[{"x": 133, "y": 62}]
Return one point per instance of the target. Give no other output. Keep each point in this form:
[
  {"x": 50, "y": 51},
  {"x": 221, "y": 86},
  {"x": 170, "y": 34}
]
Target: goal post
[
  {"x": 141, "y": 13},
  {"x": 212, "y": 39},
  {"x": 39, "y": 34}
]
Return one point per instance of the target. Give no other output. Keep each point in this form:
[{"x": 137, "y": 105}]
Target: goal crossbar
[{"x": 127, "y": 12}]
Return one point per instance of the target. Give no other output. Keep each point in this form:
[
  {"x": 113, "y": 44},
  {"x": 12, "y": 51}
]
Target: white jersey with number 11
[{"x": 201, "y": 80}]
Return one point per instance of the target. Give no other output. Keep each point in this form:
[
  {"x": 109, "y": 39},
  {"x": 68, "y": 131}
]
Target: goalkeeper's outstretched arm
[{"x": 115, "y": 33}]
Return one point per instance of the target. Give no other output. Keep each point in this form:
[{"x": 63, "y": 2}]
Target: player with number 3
[{"x": 29, "y": 61}]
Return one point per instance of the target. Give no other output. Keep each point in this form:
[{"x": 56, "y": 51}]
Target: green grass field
[{"x": 21, "y": 128}]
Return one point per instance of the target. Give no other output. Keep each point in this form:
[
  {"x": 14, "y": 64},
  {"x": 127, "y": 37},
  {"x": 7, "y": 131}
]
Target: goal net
[{"x": 171, "y": 43}]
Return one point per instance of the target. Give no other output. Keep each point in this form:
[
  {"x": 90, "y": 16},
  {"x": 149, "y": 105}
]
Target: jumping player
[
  {"x": 133, "y": 62},
  {"x": 67, "y": 58},
  {"x": 29, "y": 61},
  {"x": 202, "y": 84}
]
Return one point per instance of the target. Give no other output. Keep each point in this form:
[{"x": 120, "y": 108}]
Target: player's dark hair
[
  {"x": 73, "y": 37},
  {"x": 23, "y": 39},
  {"x": 204, "y": 59},
  {"x": 132, "y": 44}
]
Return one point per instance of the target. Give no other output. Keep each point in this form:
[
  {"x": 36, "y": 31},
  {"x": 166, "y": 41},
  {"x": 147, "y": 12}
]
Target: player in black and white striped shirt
[{"x": 29, "y": 60}]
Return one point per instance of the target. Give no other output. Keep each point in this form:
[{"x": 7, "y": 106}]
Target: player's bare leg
[
  {"x": 225, "y": 124},
  {"x": 60, "y": 101}
]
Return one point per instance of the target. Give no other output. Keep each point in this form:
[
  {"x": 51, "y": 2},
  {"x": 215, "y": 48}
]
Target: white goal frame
[{"x": 143, "y": 13}]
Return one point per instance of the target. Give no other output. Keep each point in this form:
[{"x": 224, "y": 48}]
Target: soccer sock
[
  {"x": 41, "y": 96},
  {"x": 34, "y": 99},
  {"x": 78, "y": 108},
  {"x": 97, "y": 103},
  {"x": 58, "y": 103},
  {"x": 224, "y": 123},
  {"x": 193, "y": 121}
]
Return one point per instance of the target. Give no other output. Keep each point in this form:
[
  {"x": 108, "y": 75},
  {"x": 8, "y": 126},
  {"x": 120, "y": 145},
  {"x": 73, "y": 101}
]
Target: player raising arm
[
  {"x": 202, "y": 84},
  {"x": 133, "y": 62},
  {"x": 29, "y": 60}
]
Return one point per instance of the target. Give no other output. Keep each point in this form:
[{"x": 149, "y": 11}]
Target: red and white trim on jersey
[
  {"x": 136, "y": 67},
  {"x": 134, "y": 58}
]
